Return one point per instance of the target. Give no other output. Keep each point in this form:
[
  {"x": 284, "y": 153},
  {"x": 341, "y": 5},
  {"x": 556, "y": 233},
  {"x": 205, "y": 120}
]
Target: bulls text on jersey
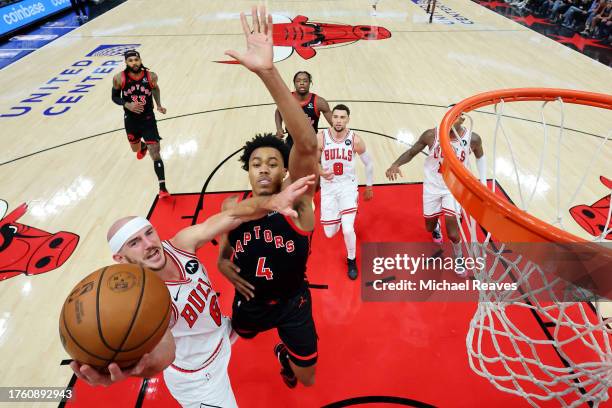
[{"x": 197, "y": 302}]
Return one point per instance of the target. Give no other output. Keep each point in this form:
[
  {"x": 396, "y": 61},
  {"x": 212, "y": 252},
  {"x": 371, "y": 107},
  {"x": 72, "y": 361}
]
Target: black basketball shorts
[
  {"x": 291, "y": 317},
  {"x": 144, "y": 127}
]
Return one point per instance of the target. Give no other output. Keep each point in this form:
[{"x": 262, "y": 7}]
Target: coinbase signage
[{"x": 25, "y": 12}]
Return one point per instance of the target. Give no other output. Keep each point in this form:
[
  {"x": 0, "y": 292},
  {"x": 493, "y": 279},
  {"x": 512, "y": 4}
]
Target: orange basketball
[{"x": 116, "y": 314}]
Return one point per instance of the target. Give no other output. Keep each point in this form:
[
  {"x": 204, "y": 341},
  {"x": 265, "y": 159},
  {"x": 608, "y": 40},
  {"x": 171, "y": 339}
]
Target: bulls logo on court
[
  {"x": 191, "y": 267},
  {"x": 303, "y": 36},
  {"x": 28, "y": 250},
  {"x": 593, "y": 218}
]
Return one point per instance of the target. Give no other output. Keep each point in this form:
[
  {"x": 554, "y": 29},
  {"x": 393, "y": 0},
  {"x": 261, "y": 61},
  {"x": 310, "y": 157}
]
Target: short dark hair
[
  {"x": 342, "y": 107},
  {"x": 302, "y": 72},
  {"x": 264, "y": 140}
]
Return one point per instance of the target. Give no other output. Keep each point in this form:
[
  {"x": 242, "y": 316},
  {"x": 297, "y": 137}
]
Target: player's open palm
[
  {"x": 258, "y": 56},
  {"x": 283, "y": 201}
]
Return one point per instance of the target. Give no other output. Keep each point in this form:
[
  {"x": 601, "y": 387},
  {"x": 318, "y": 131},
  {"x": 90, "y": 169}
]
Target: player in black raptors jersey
[
  {"x": 135, "y": 88},
  {"x": 270, "y": 253},
  {"x": 313, "y": 105}
]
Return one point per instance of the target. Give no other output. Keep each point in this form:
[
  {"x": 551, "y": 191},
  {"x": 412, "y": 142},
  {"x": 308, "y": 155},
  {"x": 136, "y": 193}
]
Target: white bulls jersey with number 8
[
  {"x": 433, "y": 181},
  {"x": 339, "y": 157},
  {"x": 196, "y": 322}
]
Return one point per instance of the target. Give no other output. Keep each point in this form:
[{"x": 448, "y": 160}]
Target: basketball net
[{"x": 563, "y": 355}]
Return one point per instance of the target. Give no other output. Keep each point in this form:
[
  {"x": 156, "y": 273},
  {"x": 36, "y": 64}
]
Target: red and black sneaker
[
  {"x": 280, "y": 350},
  {"x": 142, "y": 152},
  {"x": 163, "y": 194}
]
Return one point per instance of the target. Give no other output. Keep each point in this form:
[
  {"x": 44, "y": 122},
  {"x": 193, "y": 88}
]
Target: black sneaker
[
  {"x": 280, "y": 350},
  {"x": 352, "y": 269},
  {"x": 436, "y": 234}
]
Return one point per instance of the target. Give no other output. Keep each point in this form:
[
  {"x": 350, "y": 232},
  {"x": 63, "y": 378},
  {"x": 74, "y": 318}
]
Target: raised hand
[
  {"x": 258, "y": 56},
  {"x": 283, "y": 201}
]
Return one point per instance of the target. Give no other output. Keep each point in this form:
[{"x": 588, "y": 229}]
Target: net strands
[{"x": 567, "y": 358}]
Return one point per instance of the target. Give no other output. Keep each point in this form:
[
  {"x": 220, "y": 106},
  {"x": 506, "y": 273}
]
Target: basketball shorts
[
  {"x": 440, "y": 203},
  {"x": 138, "y": 128},
  {"x": 337, "y": 200},
  {"x": 207, "y": 387},
  {"x": 291, "y": 317}
]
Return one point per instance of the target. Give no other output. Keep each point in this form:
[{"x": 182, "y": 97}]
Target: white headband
[{"x": 124, "y": 233}]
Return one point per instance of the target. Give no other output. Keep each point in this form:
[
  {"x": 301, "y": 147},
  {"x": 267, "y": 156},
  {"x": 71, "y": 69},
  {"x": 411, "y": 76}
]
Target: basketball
[{"x": 116, "y": 314}]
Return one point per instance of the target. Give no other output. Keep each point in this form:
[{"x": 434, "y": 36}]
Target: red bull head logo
[
  {"x": 303, "y": 36},
  {"x": 593, "y": 218},
  {"x": 28, "y": 250}
]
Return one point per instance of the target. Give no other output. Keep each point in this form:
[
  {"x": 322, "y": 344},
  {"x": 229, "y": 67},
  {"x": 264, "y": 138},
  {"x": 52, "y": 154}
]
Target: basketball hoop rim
[{"x": 502, "y": 219}]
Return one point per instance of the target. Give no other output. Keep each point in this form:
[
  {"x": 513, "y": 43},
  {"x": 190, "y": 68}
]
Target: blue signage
[
  {"x": 72, "y": 83},
  {"x": 17, "y": 15}
]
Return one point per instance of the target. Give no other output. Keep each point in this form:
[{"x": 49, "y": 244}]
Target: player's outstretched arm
[
  {"x": 426, "y": 139},
  {"x": 258, "y": 59},
  {"x": 192, "y": 238},
  {"x": 149, "y": 365}
]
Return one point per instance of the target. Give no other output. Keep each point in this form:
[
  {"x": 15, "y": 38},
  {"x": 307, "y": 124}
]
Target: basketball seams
[
  {"x": 113, "y": 354},
  {"x": 131, "y": 326},
  {"x": 67, "y": 330},
  {"x": 168, "y": 311},
  {"x": 100, "y": 333}
]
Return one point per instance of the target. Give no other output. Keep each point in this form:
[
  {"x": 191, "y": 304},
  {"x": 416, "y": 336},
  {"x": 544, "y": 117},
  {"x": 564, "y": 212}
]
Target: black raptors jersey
[
  {"x": 138, "y": 90},
  {"x": 310, "y": 109},
  {"x": 271, "y": 253}
]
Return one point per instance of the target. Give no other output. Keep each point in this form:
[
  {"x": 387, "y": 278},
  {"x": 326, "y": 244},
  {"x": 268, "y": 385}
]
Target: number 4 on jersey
[{"x": 262, "y": 271}]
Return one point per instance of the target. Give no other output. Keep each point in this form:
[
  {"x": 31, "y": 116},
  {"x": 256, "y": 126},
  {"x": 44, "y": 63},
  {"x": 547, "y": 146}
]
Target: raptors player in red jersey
[
  {"x": 312, "y": 104},
  {"x": 339, "y": 192},
  {"x": 266, "y": 258},
  {"x": 195, "y": 351},
  {"x": 135, "y": 88},
  {"x": 437, "y": 198}
]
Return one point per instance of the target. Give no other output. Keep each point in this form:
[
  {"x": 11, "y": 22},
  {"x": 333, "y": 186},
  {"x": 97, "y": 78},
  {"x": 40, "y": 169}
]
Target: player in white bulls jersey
[
  {"x": 437, "y": 199},
  {"x": 194, "y": 353},
  {"x": 338, "y": 147}
]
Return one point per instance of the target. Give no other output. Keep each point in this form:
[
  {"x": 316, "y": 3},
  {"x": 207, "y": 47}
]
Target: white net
[{"x": 539, "y": 342}]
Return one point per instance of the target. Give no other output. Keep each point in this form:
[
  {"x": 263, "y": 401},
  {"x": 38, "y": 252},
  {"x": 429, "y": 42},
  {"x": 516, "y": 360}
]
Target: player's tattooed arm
[
  {"x": 156, "y": 93},
  {"x": 324, "y": 108},
  {"x": 426, "y": 139},
  {"x": 116, "y": 94}
]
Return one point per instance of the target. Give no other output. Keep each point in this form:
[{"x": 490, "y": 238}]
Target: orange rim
[{"x": 502, "y": 219}]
